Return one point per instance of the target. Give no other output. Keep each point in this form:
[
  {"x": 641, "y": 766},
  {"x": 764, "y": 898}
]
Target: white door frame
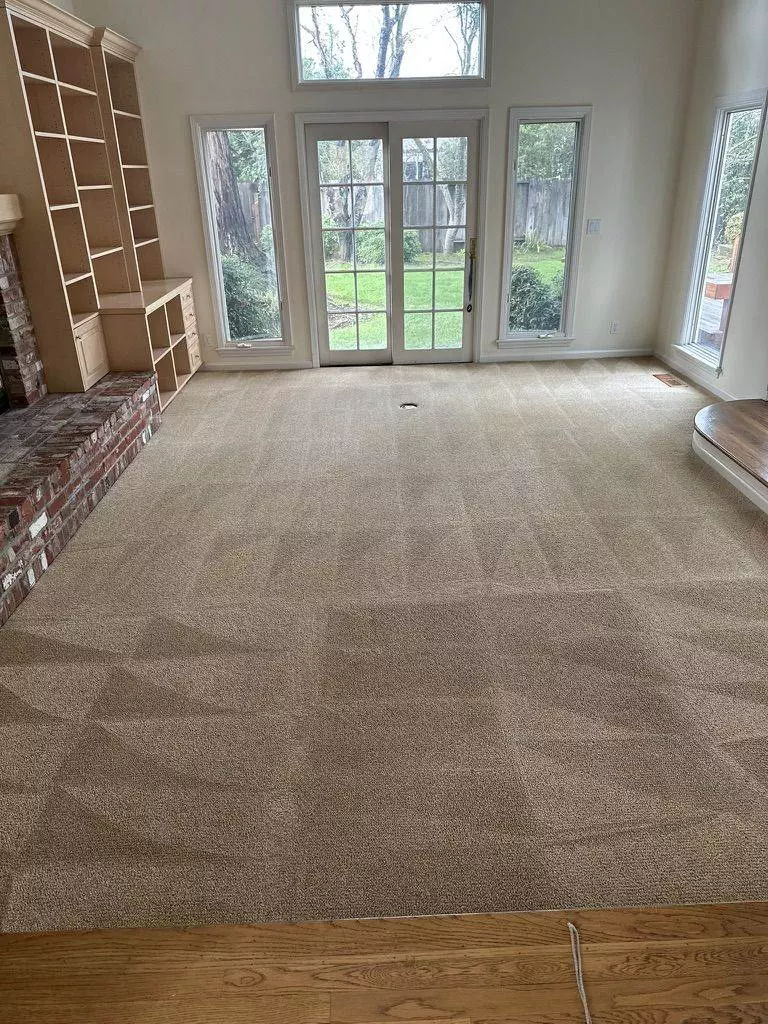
[{"x": 479, "y": 114}]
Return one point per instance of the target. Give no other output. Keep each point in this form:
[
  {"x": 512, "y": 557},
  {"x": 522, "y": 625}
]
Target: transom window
[{"x": 370, "y": 42}]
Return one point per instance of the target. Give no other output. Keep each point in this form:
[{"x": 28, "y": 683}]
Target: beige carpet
[{"x": 316, "y": 656}]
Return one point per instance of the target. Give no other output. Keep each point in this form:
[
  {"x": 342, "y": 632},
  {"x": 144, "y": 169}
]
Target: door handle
[{"x": 471, "y": 279}]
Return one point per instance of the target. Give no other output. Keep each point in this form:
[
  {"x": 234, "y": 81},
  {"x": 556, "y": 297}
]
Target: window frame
[
  {"x": 201, "y": 124},
  {"x": 724, "y": 107},
  {"x": 300, "y": 84},
  {"x": 546, "y": 115}
]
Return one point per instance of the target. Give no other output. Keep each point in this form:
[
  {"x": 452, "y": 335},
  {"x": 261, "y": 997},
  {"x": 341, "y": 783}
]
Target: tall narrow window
[
  {"x": 242, "y": 229},
  {"x": 370, "y": 42},
  {"x": 544, "y": 205},
  {"x": 738, "y": 128}
]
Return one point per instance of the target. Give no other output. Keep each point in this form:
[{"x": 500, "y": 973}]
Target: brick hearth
[{"x": 59, "y": 458}]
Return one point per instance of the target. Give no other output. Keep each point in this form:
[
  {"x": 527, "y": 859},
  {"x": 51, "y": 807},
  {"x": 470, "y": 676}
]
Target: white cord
[{"x": 579, "y": 969}]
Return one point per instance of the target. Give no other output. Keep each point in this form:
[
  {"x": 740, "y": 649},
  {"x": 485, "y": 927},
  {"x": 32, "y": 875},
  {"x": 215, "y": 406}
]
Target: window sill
[
  {"x": 555, "y": 341},
  {"x": 244, "y": 351},
  {"x": 699, "y": 357}
]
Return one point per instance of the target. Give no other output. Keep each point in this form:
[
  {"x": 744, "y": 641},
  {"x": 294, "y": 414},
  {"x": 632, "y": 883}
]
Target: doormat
[{"x": 670, "y": 380}]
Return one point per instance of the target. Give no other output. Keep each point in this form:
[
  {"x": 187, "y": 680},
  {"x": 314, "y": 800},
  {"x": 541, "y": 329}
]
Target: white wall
[
  {"x": 732, "y": 58},
  {"x": 630, "y": 58}
]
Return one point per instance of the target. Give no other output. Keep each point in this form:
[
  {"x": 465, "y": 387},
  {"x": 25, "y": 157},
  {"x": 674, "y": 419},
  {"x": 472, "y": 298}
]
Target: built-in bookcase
[{"x": 78, "y": 158}]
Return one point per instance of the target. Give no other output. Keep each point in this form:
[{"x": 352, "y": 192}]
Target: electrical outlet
[{"x": 613, "y": 327}]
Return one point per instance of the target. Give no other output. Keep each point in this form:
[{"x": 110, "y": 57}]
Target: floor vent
[{"x": 670, "y": 380}]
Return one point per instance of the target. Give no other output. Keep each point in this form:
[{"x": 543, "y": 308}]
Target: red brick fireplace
[{"x": 59, "y": 454}]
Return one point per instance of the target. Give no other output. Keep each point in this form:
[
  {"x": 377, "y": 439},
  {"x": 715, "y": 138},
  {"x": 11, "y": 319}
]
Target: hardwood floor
[
  {"x": 740, "y": 430},
  {"x": 669, "y": 965}
]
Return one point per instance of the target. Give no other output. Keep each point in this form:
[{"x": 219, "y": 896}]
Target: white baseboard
[
  {"x": 698, "y": 374},
  {"x": 533, "y": 354},
  {"x": 731, "y": 471},
  {"x": 244, "y": 366}
]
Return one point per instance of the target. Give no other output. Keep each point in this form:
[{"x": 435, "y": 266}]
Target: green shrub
[
  {"x": 253, "y": 310},
  {"x": 371, "y": 247},
  {"x": 533, "y": 305}
]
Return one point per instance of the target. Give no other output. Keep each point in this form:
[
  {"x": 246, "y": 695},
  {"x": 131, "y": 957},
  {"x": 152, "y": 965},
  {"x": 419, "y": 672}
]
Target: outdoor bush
[
  {"x": 267, "y": 241},
  {"x": 252, "y": 307},
  {"x": 533, "y": 305},
  {"x": 371, "y": 244}
]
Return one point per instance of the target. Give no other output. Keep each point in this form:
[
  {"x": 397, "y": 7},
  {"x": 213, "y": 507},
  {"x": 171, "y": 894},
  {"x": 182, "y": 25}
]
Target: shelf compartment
[
  {"x": 82, "y": 115},
  {"x": 71, "y": 242},
  {"x": 182, "y": 364},
  {"x": 167, "y": 381},
  {"x": 150, "y": 261},
  {"x": 158, "y": 353},
  {"x": 82, "y": 299},
  {"x": 144, "y": 224},
  {"x": 137, "y": 186},
  {"x": 74, "y": 278},
  {"x": 33, "y": 48},
  {"x": 44, "y": 106},
  {"x": 72, "y": 62},
  {"x": 56, "y": 165},
  {"x": 100, "y": 215},
  {"x": 130, "y": 138},
  {"x": 176, "y": 316},
  {"x": 122, "y": 85},
  {"x": 110, "y": 272},
  {"x": 91, "y": 164},
  {"x": 158, "y": 329}
]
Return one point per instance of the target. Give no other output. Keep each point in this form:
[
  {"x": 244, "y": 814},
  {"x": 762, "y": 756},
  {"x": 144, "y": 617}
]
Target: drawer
[
  {"x": 91, "y": 351},
  {"x": 190, "y": 322},
  {"x": 193, "y": 348}
]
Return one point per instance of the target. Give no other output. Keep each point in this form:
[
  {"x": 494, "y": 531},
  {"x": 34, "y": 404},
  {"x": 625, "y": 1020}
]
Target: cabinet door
[{"x": 91, "y": 351}]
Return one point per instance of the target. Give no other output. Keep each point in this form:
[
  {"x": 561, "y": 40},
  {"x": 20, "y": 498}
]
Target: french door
[{"x": 393, "y": 210}]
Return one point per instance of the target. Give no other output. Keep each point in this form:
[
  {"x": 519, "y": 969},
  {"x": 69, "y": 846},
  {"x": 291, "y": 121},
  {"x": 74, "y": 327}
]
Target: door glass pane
[
  {"x": 418, "y": 205},
  {"x": 342, "y": 332},
  {"x": 373, "y": 331},
  {"x": 418, "y": 290},
  {"x": 449, "y": 289},
  {"x": 450, "y": 248},
  {"x": 340, "y": 292},
  {"x": 336, "y": 206},
  {"x": 372, "y": 291},
  {"x": 369, "y": 206},
  {"x": 418, "y": 331},
  {"x": 731, "y": 198},
  {"x": 367, "y": 161},
  {"x": 370, "y": 249},
  {"x": 418, "y": 159},
  {"x": 543, "y": 191},
  {"x": 333, "y": 161},
  {"x": 337, "y": 249},
  {"x": 417, "y": 247},
  {"x": 449, "y": 330},
  {"x": 451, "y": 205},
  {"x": 452, "y": 159},
  {"x": 240, "y": 197}
]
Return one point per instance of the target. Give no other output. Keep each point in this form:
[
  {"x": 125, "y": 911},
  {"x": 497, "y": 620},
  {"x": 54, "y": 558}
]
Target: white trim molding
[
  {"x": 200, "y": 124},
  {"x": 699, "y": 372},
  {"x": 705, "y": 225},
  {"x": 546, "y": 115},
  {"x": 731, "y": 471},
  {"x": 538, "y": 352}
]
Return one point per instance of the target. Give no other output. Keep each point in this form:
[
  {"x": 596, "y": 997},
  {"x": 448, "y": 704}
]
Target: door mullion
[{"x": 396, "y": 269}]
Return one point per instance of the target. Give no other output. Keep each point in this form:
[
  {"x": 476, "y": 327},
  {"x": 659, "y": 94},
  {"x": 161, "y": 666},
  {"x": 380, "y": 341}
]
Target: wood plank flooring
[
  {"x": 740, "y": 430},
  {"x": 668, "y": 965}
]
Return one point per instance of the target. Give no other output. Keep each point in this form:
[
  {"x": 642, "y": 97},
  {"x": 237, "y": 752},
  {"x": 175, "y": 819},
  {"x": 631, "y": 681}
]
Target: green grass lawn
[
  {"x": 548, "y": 262},
  {"x": 372, "y": 290}
]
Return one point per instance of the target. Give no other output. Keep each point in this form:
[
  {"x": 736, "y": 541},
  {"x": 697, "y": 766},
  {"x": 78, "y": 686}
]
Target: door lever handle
[{"x": 471, "y": 280}]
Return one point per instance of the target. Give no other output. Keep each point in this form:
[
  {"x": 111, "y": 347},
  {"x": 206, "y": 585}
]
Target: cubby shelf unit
[{"x": 74, "y": 151}]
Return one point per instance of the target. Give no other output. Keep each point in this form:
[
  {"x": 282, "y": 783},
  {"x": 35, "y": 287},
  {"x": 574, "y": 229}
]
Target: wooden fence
[{"x": 543, "y": 211}]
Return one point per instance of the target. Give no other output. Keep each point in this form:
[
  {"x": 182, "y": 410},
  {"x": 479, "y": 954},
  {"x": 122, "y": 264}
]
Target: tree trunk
[{"x": 234, "y": 234}]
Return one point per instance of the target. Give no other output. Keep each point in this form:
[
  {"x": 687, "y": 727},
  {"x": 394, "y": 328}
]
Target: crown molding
[
  {"x": 116, "y": 44},
  {"x": 48, "y": 15}
]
